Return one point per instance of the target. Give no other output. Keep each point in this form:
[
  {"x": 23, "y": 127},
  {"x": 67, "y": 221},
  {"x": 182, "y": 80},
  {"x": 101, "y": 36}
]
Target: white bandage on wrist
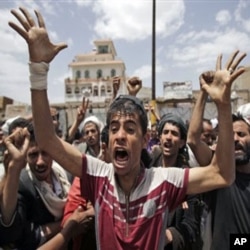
[{"x": 38, "y": 75}]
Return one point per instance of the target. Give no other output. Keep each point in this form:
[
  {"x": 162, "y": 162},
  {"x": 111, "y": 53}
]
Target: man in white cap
[{"x": 91, "y": 130}]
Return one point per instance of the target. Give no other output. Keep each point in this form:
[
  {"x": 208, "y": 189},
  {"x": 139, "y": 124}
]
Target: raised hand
[
  {"x": 81, "y": 111},
  {"x": 116, "y": 81},
  {"x": 218, "y": 83},
  {"x": 134, "y": 85},
  {"x": 36, "y": 36},
  {"x": 17, "y": 145}
]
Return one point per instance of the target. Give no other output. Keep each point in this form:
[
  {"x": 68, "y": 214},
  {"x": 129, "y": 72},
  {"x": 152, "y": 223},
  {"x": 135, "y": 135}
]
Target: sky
[{"x": 189, "y": 36}]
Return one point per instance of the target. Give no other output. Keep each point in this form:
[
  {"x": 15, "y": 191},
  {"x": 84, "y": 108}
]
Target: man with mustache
[
  {"x": 183, "y": 227},
  {"x": 228, "y": 208},
  {"x": 33, "y": 194}
]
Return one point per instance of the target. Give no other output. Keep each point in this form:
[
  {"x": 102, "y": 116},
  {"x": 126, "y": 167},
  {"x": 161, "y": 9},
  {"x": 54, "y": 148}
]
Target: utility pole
[
  {"x": 152, "y": 119},
  {"x": 153, "y": 50}
]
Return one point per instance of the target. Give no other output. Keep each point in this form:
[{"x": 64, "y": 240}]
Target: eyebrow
[{"x": 128, "y": 120}]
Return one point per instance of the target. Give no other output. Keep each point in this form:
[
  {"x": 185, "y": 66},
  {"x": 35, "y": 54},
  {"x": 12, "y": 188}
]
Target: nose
[
  {"x": 121, "y": 134},
  {"x": 236, "y": 137},
  {"x": 40, "y": 160},
  {"x": 168, "y": 135}
]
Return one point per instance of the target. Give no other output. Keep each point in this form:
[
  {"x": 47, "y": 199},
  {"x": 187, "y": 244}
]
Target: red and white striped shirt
[{"x": 137, "y": 221}]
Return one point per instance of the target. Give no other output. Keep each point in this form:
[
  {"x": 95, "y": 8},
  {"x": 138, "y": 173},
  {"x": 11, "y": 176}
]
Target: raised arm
[
  {"x": 15, "y": 160},
  {"x": 81, "y": 111},
  {"x": 134, "y": 85},
  {"x": 221, "y": 171},
  {"x": 41, "y": 53},
  {"x": 202, "y": 152},
  {"x": 116, "y": 82}
]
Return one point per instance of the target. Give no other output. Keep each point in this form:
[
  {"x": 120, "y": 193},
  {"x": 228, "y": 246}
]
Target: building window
[
  {"x": 78, "y": 74},
  {"x": 68, "y": 90},
  {"x": 109, "y": 89},
  {"x": 99, "y": 73},
  {"x": 113, "y": 72},
  {"x": 77, "y": 90},
  {"x": 103, "y": 49},
  {"x": 86, "y": 74},
  {"x": 95, "y": 93},
  {"x": 103, "y": 91}
]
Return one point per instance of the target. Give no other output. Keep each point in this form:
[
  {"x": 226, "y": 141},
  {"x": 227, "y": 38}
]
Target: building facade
[
  {"x": 92, "y": 73},
  {"x": 91, "y": 77}
]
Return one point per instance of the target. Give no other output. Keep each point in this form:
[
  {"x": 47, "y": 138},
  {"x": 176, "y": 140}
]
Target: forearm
[
  {"x": 44, "y": 129},
  {"x": 72, "y": 131},
  {"x": 10, "y": 193},
  {"x": 51, "y": 229},
  {"x": 58, "y": 242},
  {"x": 224, "y": 157},
  {"x": 201, "y": 151},
  {"x": 61, "y": 239},
  {"x": 195, "y": 125}
]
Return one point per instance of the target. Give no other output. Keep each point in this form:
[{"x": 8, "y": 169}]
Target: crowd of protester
[{"x": 123, "y": 184}]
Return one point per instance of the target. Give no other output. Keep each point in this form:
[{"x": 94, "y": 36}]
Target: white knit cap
[
  {"x": 94, "y": 120},
  {"x": 244, "y": 110}
]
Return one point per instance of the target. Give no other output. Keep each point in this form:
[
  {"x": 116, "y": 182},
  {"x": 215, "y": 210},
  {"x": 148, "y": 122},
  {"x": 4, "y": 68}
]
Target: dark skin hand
[
  {"x": 222, "y": 77},
  {"x": 134, "y": 85},
  {"x": 82, "y": 110},
  {"x": 116, "y": 85},
  {"x": 36, "y": 36}
]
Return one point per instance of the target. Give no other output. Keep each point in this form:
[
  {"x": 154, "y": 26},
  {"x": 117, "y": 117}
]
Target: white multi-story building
[{"x": 92, "y": 75}]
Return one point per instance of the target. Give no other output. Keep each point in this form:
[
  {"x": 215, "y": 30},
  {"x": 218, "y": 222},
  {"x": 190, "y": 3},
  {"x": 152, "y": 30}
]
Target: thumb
[
  {"x": 205, "y": 87},
  {"x": 60, "y": 47}
]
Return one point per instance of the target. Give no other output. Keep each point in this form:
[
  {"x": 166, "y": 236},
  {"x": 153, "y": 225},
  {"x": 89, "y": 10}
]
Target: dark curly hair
[{"x": 127, "y": 104}]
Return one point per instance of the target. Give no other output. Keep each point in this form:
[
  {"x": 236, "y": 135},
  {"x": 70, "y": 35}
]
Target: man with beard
[
  {"x": 183, "y": 226},
  {"x": 33, "y": 194},
  {"x": 227, "y": 210}
]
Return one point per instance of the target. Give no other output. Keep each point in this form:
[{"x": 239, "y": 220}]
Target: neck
[
  {"x": 129, "y": 181},
  {"x": 96, "y": 149},
  {"x": 169, "y": 161}
]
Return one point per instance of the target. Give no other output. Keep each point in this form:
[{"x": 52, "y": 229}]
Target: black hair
[
  {"x": 105, "y": 135},
  {"x": 176, "y": 121},
  {"x": 127, "y": 104}
]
